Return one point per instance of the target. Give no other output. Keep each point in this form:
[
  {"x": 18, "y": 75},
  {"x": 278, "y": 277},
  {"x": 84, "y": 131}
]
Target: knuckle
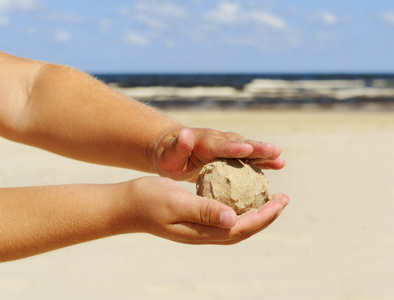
[
  {"x": 207, "y": 213},
  {"x": 233, "y": 136}
]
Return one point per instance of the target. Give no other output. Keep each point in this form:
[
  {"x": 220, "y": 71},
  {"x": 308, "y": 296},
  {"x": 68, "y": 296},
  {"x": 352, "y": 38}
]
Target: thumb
[
  {"x": 178, "y": 150},
  {"x": 211, "y": 213}
]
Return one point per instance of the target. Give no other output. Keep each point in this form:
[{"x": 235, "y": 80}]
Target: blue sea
[{"x": 267, "y": 90}]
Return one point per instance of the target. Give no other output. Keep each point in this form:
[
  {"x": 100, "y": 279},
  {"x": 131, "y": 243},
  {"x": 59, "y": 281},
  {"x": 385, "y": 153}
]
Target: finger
[
  {"x": 239, "y": 238},
  {"x": 246, "y": 226},
  {"x": 275, "y": 164},
  {"x": 218, "y": 147},
  {"x": 260, "y": 149},
  {"x": 263, "y": 150},
  {"x": 255, "y": 221},
  {"x": 209, "y": 212},
  {"x": 198, "y": 234},
  {"x": 233, "y": 136}
]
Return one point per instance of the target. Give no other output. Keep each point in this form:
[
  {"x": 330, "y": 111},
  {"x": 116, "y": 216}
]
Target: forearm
[
  {"x": 34, "y": 220},
  {"x": 75, "y": 115}
]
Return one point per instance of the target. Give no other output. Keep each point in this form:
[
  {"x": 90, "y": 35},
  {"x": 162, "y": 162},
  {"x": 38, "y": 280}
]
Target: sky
[{"x": 202, "y": 36}]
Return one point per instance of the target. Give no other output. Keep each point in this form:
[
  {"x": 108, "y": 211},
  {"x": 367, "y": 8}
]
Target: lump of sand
[{"x": 234, "y": 182}]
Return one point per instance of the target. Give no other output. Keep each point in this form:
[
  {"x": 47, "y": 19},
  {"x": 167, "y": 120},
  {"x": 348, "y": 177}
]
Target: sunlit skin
[
  {"x": 67, "y": 112},
  {"x": 182, "y": 152}
]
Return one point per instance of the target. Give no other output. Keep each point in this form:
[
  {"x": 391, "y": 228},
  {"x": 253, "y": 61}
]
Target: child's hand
[
  {"x": 182, "y": 153},
  {"x": 160, "y": 206}
]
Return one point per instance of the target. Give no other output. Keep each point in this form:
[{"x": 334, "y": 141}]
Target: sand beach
[{"x": 335, "y": 240}]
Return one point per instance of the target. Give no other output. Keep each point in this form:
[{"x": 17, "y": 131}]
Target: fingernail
[{"x": 227, "y": 219}]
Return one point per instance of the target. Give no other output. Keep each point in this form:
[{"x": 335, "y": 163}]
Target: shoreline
[
  {"x": 273, "y": 105},
  {"x": 271, "y": 94}
]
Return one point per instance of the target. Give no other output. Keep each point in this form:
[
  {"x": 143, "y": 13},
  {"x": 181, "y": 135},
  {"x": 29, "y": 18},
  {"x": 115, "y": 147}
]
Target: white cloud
[
  {"x": 328, "y": 18},
  {"x": 156, "y": 17},
  {"x": 268, "y": 19},
  {"x": 388, "y": 17},
  {"x": 155, "y": 14},
  {"x": 135, "y": 38},
  {"x": 226, "y": 12},
  {"x": 233, "y": 13},
  {"x": 152, "y": 22},
  {"x": 252, "y": 26},
  {"x": 24, "y": 5},
  {"x": 167, "y": 24},
  {"x": 62, "y": 36},
  {"x": 9, "y": 6}
]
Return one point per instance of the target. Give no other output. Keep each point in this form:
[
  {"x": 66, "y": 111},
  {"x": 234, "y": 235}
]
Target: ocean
[{"x": 251, "y": 91}]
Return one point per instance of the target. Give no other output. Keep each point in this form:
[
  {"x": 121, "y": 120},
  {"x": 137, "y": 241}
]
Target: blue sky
[{"x": 202, "y": 35}]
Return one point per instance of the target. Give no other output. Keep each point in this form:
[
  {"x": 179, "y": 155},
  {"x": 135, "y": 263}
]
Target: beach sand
[{"x": 335, "y": 240}]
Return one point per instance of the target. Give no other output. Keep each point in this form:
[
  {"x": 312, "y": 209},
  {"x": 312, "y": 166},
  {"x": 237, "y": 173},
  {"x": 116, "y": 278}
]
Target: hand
[
  {"x": 182, "y": 153},
  {"x": 163, "y": 208}
]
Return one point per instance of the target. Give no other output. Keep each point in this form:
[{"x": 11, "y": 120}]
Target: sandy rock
[{"x": 234, "y": 182}]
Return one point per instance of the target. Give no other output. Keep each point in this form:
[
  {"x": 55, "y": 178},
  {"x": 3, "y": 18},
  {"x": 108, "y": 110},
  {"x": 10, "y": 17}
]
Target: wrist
[{"x": 127, "y": 213}]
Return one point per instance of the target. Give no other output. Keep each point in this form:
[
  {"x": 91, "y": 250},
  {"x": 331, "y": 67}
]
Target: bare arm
[
  {"x": 65, "y": 111},
  {"x": 72, "y": 114},
  {"x": 34, "y": 220}
]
